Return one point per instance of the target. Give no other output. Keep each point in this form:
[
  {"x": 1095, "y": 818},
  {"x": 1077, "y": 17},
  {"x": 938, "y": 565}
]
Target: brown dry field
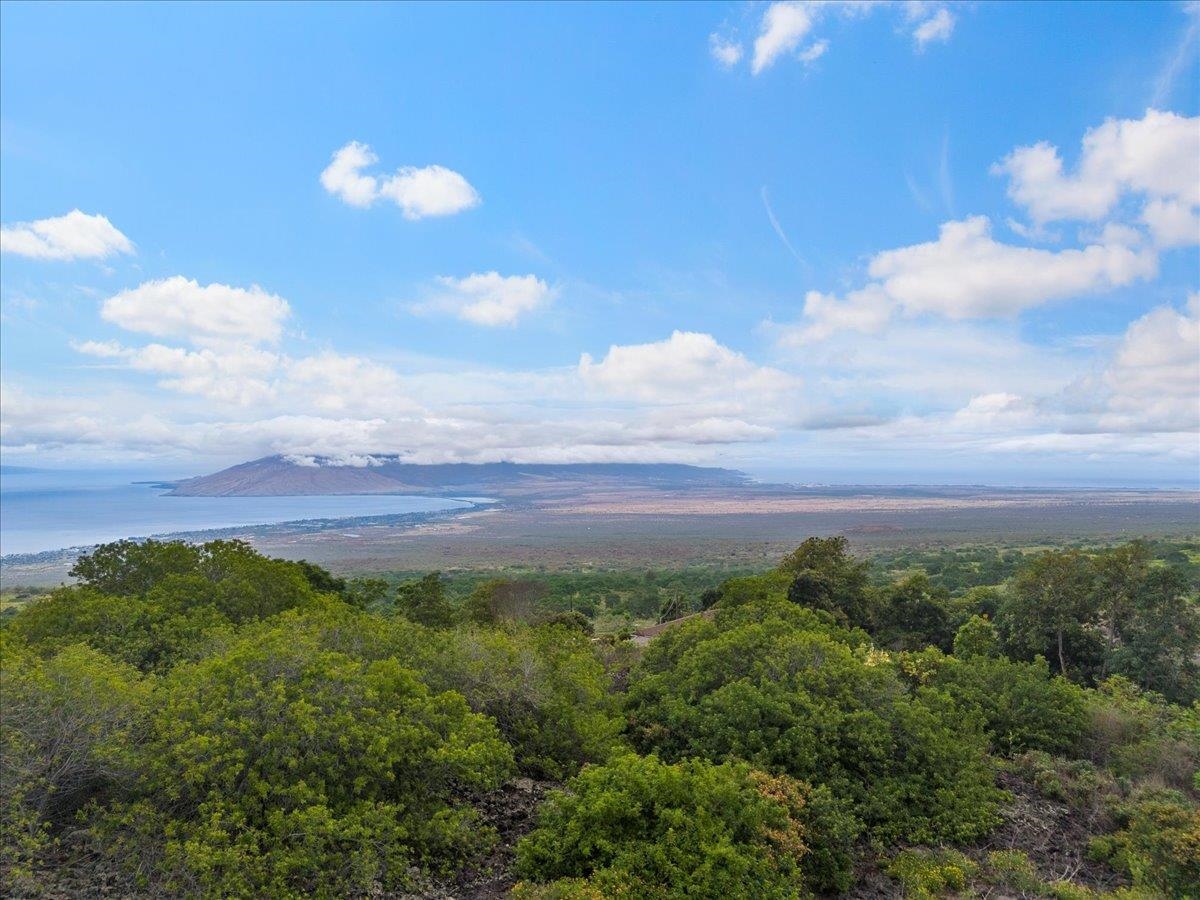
[
  {"x": 620, "y": 529},
  {"x": 660, "y": 530}
]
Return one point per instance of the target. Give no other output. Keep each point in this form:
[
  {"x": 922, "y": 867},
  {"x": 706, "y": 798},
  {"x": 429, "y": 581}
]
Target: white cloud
[
  {"x": 76, "y": 235},
  {"x": 215, "y": 313},
  {"x": 488, "y": 298},
  {"x": 1172, "y": 223},
  {"x": 1154, "y": 376},
  {"x": 966, "y": 273},
  {"x": 726, "y": 52},
  {"x": 343, "y": 179},
  {"x": 232, "y": 375},
  {"x": 937, "y": 27},
  {"x": 784, "y": 25},
  {"x": 686, "y": 367},
  {"x": 419, "y": 192},
  {"x": 1156, "y": 157},
  {"x": 813, "y": 52}
]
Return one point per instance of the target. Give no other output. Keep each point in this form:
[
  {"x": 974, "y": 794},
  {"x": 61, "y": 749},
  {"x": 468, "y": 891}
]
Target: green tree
[
  {"x": 977, "y": 637},
  {"x": 1120, "y": 575},
  {"x": 828, "y": 575},
  {"x": 911, "y": 615},
  {"x": 1051, "y": 601},
  {"x": 779, "y": 687},
  {"x": 130, "y": 568},
  {"x": 1159, "y": 636},
  {"x": 423, "y": 600}
]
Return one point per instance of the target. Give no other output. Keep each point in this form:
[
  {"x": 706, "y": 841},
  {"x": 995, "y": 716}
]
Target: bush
[
  {"x": 642, "y": 828},
  {"x": 1023, "y": 706},
  {"x": 69, "y": 727},
  {"x": 1158, "y": 843},
  {"x": 926, "y": 874},
  {"x": 545, "y": 687},
  {"x": 787, "y": 695},
  {"x": 279, "y": 767},
  {"x": 1140, "y": 735}
]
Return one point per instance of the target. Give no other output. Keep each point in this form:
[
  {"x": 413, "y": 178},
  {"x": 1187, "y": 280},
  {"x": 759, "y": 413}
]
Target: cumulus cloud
[
  {"x": 489, "y": 298},
  {"x": 687, "y": 366},
  {"x": 1154, "y": 158},
  {"x": 182, "y": 308},
  {"x": 76, "y": 235},
  {"x": 419, "y": 192},
  {"x": 1172, "y": 223},
  {"x": 1153, "y": 381},
  {"x": 966, "y": 273}
]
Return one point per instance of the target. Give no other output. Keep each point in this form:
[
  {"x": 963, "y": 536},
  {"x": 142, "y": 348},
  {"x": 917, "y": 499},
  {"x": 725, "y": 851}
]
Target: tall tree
[{"x": 1051, "y": 600}]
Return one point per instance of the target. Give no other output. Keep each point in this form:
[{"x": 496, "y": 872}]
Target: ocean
[{"x": 43, "y": 509}]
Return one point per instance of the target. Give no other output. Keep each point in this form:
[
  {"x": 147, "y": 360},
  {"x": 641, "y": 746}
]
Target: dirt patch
[
  {"x": 1051, "y": 834},
  {"x": 512, "y": 811}
]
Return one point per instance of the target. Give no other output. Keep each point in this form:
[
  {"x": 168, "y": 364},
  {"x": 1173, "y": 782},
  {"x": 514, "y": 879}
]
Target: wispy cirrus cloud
[{"x": 787, "y": 29}]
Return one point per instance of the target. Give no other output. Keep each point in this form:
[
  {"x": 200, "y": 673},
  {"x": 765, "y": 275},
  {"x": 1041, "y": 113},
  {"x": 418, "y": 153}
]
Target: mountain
[{"x": 274, "y": 476}]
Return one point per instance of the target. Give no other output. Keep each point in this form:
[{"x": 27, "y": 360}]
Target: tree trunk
[{"x": 1062, "y": 660}]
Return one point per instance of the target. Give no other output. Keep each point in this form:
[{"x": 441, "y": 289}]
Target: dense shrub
[
  {"x": 154, "y": 604},
  {"x": 279, "y": 767},
  {"x": 789, "y": 695},
  {"x": 545, "y": 687},
  {"x": 1158, "y": 843},
  {"x": 1140, "y": 735},
  {"x": 69, "y": 727},
  {"x": 638, "y": 827},
  {"x": 1023, "y": 706}
]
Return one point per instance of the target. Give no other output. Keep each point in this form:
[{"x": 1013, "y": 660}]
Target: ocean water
[{"x": 50, "y": 510}]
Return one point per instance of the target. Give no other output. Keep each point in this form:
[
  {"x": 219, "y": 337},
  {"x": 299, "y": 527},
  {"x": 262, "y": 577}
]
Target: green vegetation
[{"x": 203, "y": 721}]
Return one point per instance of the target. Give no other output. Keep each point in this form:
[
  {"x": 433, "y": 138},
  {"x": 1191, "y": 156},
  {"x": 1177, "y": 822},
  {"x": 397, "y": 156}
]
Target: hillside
[{"x": 274, "y": 476}]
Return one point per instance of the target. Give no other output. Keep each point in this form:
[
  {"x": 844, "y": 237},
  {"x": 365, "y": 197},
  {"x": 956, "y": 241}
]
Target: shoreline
[{"x": 266, "y": 531}]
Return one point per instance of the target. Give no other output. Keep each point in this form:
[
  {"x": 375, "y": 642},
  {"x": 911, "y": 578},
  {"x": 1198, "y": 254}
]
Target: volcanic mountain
[{"x": 274, "y": 476}]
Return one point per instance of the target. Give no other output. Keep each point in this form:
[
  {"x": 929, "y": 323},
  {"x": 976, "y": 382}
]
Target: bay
[{"x": 43, "y": 509}]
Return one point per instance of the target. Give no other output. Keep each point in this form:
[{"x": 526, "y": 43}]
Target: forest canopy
[{"x": 204, "y": 721}]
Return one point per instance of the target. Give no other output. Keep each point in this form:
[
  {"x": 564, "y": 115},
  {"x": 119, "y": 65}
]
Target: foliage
[
  {"x": 1050, "y": 609},
  {"x": 784, "y": 690},
  {"x": 638, "y": 827},
  {"x": 930, "y": 873},
  {"x": 1158, "y": 843},
  {"x": 189, "y": 598},
  {"x": 545, "y": 688},
  {"x": 977, "y": 637},
  {"x": 278, "y": 767},
  {"x": 423, "y": 600},
  {"x": 69, "y": 726},
  {"x": 911, "y": 615},
  {"x": 1140, "y": 735},
  {"x": 824, "y": 576},
  {"x": 1023, "y": 707},
  {"x": 504, "y": 600}
]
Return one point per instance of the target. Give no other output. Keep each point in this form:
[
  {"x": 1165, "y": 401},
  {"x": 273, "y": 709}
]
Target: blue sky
[{"x": 827, "y": 241}]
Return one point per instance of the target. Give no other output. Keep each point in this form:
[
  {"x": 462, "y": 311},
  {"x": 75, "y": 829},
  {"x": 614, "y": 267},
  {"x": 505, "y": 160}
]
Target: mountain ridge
[{"x": 274, "y": 476}]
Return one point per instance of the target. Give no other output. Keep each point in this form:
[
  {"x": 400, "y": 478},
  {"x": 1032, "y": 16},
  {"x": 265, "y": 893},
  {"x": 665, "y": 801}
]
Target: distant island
[{"x": 275, "y": 476}]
